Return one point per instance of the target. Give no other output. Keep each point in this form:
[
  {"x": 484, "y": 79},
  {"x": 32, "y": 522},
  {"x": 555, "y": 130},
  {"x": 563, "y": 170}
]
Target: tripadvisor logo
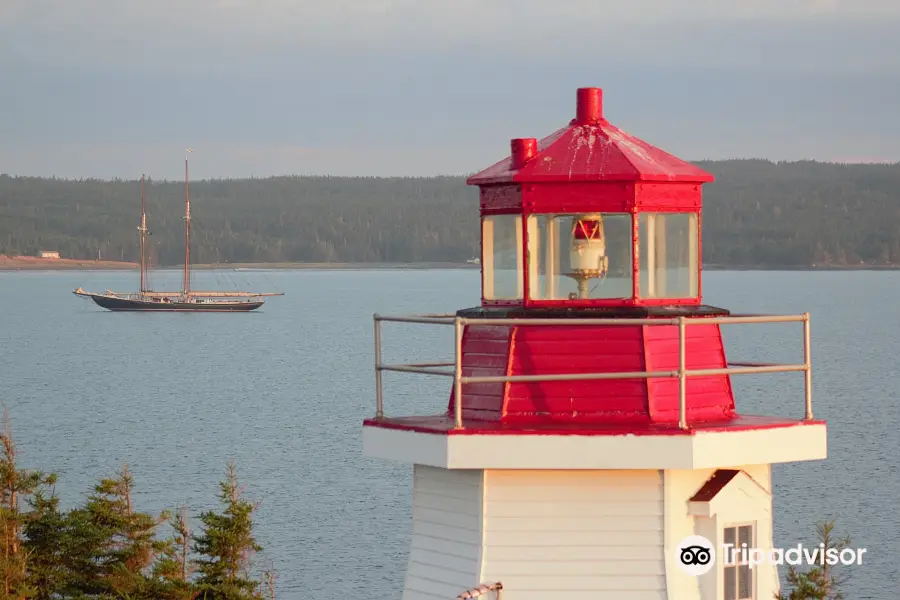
[
  {"x": 797, "y": 555},
  {"x": 695, "y": 555}
]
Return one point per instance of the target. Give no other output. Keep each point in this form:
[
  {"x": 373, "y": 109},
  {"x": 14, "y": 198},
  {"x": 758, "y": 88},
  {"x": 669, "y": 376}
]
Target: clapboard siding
[
  {"x": 445, "y": 552},
  {"x": 485, "y": 353},
  {"x": 573, "y": 535},
  {"x": 577, "y": 349},
  {"x": 708, "y": 397}
]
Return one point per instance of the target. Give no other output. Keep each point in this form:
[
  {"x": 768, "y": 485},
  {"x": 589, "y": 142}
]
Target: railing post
[
  {"x": 682, "y": 382},
  {"x": 478, "y": 591},
  {"x": 807, "y": 361},
  {"x": 457, "y": 373},
  {"x": 379, "y": 398}
]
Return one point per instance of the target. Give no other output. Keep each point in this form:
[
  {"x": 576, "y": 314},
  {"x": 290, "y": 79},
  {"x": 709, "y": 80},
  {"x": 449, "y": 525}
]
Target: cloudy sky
[{"x": 114, "y": 88}]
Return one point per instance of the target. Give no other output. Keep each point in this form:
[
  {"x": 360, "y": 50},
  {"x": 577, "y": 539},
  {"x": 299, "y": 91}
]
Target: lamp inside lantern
[{"x": 587, "y": 256}]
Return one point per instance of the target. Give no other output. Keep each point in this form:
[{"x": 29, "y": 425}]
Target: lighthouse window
[
  {"x": 737, "y": 576},
  {"x": 669, "y": 255},
  {"x": 580, "y": 256},
  {"x": 501, "y": 267}
]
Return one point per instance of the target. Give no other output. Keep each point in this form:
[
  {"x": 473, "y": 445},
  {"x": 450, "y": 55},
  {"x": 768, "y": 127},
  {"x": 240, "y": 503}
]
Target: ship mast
[
  {"x": 143, "y": 230},
  {"x": 185, "y": 289}
]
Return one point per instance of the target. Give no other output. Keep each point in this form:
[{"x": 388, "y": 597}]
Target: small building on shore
[{"x": 48, "y": 254}]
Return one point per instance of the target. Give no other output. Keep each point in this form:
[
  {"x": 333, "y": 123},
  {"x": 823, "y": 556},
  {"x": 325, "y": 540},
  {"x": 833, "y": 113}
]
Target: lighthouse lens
[
  {"x": 586, "y": 256},
  {"x": 587, "y": 229}
]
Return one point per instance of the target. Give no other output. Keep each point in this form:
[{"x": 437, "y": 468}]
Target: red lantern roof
[{"x": 588, "y": 149}]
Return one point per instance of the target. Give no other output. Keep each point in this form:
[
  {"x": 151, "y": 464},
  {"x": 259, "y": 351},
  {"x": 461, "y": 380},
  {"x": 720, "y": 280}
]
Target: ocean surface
[{"x": 283, "y": 392}]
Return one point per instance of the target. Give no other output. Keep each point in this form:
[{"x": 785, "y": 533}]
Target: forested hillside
[{"x": 757, "y": 213}]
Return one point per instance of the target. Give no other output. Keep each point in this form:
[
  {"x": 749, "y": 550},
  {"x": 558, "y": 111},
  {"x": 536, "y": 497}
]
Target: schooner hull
[{"x": 128, "y": 304}]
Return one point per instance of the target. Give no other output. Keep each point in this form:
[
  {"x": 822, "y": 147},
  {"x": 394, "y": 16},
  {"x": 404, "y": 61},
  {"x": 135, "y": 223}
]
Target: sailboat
[{"x": 185, "y": 300}]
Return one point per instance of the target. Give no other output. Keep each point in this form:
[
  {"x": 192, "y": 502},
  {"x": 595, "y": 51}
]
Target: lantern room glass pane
[
  {"x": 501, "y": 266},
  {"x": 669, "y": 251},
  {"x": 580, "y": 256}
]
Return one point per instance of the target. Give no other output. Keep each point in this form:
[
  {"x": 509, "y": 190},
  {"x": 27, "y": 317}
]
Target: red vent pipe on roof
[
  {"x": 589, "y": 106},
  {"x": 523, "y": 150}
]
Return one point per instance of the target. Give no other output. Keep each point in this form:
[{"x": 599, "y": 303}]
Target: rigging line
[
  {"x": 205, "y": 243},
  {"x": 229, "y": 280},
  {"x": 269, "y": 284},
  {"x": 210, "y": 243},
  {"x": 219, "y": 278},
  {"x": 247, "y": 279},
  {"x": 233, "y": 277},
  {"x": 218, "y": 266},
  {"x": 226, "y": 277}
]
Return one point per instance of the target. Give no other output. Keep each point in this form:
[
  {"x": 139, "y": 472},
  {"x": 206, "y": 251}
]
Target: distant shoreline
[
  {"x": 28, "y": 263},
  {"x": 32, "y": 263}
]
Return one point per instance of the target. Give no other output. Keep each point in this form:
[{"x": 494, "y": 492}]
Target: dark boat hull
[{"x": 122, "y": 304}]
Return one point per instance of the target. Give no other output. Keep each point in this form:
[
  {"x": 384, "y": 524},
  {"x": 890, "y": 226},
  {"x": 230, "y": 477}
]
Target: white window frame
[{"x": 738, "y": 562}]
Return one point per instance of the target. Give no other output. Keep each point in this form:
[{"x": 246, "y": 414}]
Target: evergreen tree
[
  {"x": 226, "y": 546},
  {"x": 106, "y": 550},
  {"x": 174, "y": 568},
  {"x": 820, "y": 582},
  {"x": 269, "y": 579},
  {"x": 47, "y": 544},
  {"x": 112, "y": 546},
  {"x": 15, "y": 484}
]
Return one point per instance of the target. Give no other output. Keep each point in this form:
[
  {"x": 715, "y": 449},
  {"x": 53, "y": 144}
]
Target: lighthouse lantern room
[
  {"x": 590, "y": 217},
  {"x": 591, "y": 430}
]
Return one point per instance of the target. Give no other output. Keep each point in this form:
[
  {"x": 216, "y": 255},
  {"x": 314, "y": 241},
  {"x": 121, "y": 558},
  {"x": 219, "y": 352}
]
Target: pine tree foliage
[
  {"x": 820, "y": 582},
  {"x": 15, "y": 484},
  {"x": 226, "y": 545},
  {"x": 50, "y": 565},
  {"x": 117, "y": 544},
  {"x": 174, "y": 567},
  {"x": 108, "y": 550}
]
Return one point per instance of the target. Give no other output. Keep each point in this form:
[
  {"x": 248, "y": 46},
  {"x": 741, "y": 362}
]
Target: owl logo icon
[{"x": 695, "y": 555}]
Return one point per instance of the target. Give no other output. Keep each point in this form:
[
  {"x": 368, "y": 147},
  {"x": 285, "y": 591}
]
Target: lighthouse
[{"x": 592, "y": 446}]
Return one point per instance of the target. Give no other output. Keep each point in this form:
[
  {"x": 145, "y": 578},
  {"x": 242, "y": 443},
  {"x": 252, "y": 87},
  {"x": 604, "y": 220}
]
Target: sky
[{"x": 116, "y": 88}]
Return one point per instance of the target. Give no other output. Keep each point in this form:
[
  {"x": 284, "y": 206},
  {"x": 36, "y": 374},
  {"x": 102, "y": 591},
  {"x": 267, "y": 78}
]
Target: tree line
[
  {"x": 758, "y": 213},
  {"x": 105, "y": 549}
]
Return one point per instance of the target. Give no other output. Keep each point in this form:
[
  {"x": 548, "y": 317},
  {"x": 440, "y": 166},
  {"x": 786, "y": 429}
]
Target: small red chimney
[
  {"x": 523, "y": 150},
  {"x": 589, "y": 108}
]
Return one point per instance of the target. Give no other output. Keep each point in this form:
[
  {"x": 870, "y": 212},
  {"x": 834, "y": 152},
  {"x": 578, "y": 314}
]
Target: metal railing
[
  {"x": 481, "y": 590},
  {"x": 682, "y": 373}
]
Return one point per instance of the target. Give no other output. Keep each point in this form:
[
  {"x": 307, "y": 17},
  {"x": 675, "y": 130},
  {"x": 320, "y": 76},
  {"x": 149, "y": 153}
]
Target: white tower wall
[
  {"x": 577, "y": 534},
  {"x": 447, "y": 541}
]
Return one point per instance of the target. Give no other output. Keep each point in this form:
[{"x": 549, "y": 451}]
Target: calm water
[{"x": 283, "y": 392}]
